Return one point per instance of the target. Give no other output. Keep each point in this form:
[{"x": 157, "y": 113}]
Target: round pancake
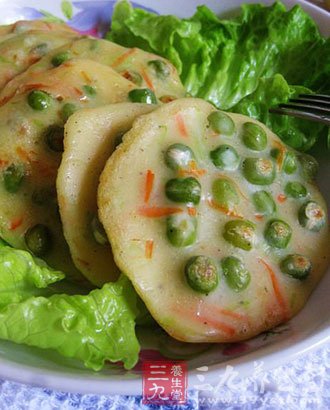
[
  {"x": 146, "y": 70},
  {"x": 91, "y": 135},
  {"x": 21, "y": 26},
  {"x": 31, "y": 148},
  {"x": 18, "y": 52},
  {"x": 194, "y": 226}
]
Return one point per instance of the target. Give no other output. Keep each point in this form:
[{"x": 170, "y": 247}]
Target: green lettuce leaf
[
  {"x": 300, "y": 134},
  {"x": 92, "y": 328},
  {"x": 224, "y": 61},
  {"x": 22, "y": 275}
]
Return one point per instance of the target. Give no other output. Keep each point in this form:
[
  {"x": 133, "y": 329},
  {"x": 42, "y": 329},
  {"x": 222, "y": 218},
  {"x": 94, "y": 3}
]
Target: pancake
[
  {"x": 22, "y": 26},
  {"x": 91, "y": 135},
  {"x": 146, "y": 70},
  {"x": 20, "y": 51},
  {"x": 217, "y": 223},
  {"x": 31, "y": 138}
]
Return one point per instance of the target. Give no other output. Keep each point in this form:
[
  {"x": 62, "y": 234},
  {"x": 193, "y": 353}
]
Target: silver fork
[{"x": 313, "y": 107}]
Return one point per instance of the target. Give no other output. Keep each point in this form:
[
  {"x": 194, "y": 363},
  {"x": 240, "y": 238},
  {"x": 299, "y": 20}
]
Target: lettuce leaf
[
  {"x": 93, "y": 328},
  {"x": 300, "y": 134},
  {"x": 22, "y": 275},
  {"x": 224, "y": 61}
]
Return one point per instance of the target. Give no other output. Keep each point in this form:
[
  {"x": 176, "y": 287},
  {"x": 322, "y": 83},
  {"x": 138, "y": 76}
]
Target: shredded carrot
[
  {"x": 6, "y": 98},
  {"x": 276, "y": 287},
  {"x": 149, "y": 249},
  {"x": 150, "y": 177},
  {"x": 224, "y": 210},
  {"x": 281, "y": 198},
  {"x": 3, "y": 163},
  {"x": 156, "y": 212},
  {"x": 206, "y": 319},
  {"x": 167, "y": 98},
  {"x": 219, "y": 311},
  {"x": 23, "y": 154},
  {"x": 181, "y": 126},
  {"x": 192, "y": 211},
  {"x": 86, "y": 77},
  {"x": 78, "y": 91},
  {"x": 119, "y": 60},
  {"x": 147, "y": 79},
  {"x": 15, "y": 223},
  {"x": 259, "y": 217},
  {"x": 192, "y": 170}
]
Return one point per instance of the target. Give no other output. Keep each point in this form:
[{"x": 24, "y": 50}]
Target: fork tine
[
  {"x": 302, "y": 114},
  {"x": 321, "y": 97},
  {"x": 311, "y": 102},
  {"x": 317, "y": 109}
]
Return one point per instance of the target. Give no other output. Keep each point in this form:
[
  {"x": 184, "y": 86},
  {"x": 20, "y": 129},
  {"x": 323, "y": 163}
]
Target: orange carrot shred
[
  {"x": 150, "y": 177},
  {"x": 149, "y": 249},
  {"x": 259, "y": 217},
  {"x": 224, "y": 210},
  {"x": 281, "y": 198},
  {"x": 276, "y": 287},
  {"x": 86, "y": 77},
  {"x": 181, "y": 126},
  {"x": 192, "y": 211},
  {"x": 156, "y": 212},
  {"x": 15, "y": 223},
  {"x": 119, "y": 60},
  {"x": 23, "y": 154},
  {"x": 3, "y": 163},
  {"x": 193, "y": 172},
  {"x": 147, "y": 79},
  {"x": 205, "y": 319}
]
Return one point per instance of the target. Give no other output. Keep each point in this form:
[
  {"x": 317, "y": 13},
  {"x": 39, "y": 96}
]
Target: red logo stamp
[{"x": 164, "y": 382}]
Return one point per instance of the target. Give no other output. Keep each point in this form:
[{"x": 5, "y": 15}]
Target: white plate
[{"x": 306, "y": 331}]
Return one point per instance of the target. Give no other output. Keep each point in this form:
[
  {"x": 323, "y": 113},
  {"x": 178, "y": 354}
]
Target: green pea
[
  {"x": 185, "y": 190},
  {"x": 181, "y": 230},
  {"x": 295, "y": 190},
  {"x": 161, "y": 69},
  {"x": 202, "y": 274},
  {"x": 39, "y": 100},
  {"x": 224, "y": 193},
  {"x": 41, "y": 49},
  {"x": 274, "y": 153},
  {"x": 309, "y": 165},
  {"x": 89, "y": 90},
  {"x": 60, "y": 58},
  {"x": 13, "y": 177},
  {"x": 264, "y": 203},
  {"x": 38, "y": 239},
  {"x": 178, "y": 156},
  {"x": 259, "y": 171},
  {"x": 240, "y": 234},
  {"x": 312, "y": 216},
  {"x": 67, "y": 110},
  {"x": 133, "y": 76},
  {"x": 278, "y": 233},
  {"x": 221, "y": 123},
  {"x": 235, "y": 273},
  {"x": 297, "y": 266},
  {"x": 54, "y": 136},
  {"x": 254, "y": 137},
  {"x": 142, "y": 95},
  {"x": 225, "y": 157},
  {"x": 289, "y": 165},
  {"x": 98, "y": 231}
]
